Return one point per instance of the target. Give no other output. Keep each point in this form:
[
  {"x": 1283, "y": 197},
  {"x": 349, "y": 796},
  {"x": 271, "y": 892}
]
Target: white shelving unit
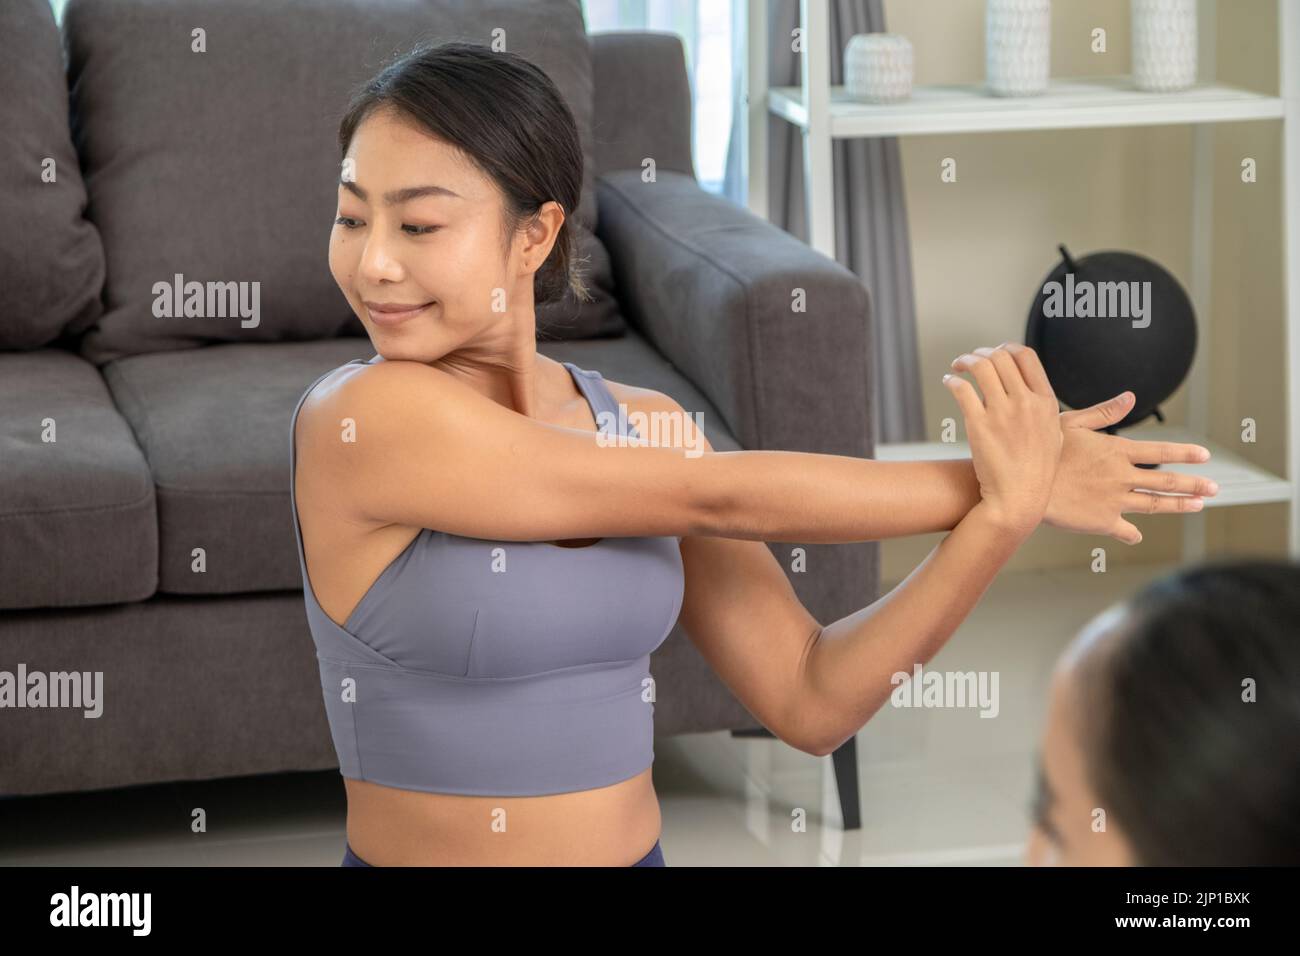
[{"x": 824, "y": 113}]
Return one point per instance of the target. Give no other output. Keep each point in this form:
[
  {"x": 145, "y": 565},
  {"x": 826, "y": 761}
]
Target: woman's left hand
[{"x": 1098, "y": 473}]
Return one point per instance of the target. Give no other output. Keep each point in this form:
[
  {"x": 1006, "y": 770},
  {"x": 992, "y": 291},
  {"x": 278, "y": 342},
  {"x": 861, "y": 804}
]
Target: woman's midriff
[{"x": 609, "y": 826}]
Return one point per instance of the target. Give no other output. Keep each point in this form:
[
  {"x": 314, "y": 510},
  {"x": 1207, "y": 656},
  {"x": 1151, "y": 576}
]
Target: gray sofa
[{"x": 145, "y": 531}]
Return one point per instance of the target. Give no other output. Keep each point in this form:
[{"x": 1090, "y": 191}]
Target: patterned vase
[
  {"x": 878, "y": 67},
  {"x": 1164, "y": 44},
  {"x": 1017, "y": 46}
]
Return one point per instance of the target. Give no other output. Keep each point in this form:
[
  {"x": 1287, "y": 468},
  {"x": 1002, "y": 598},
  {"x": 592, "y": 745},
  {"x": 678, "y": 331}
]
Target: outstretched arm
[
  {"x": 815, "y": 686},
  {"x": 424, "y": 450}
]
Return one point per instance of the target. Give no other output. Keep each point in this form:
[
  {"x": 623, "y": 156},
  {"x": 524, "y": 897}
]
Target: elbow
[
  {"x": 813, "y": 746},
  {"x": 813, "y": 723},
  {"x": 825, "y": 741},
  {"x": 831, "y": 735},
  {"x": 823, "y": 749},
  {"x": 812, "y": 749},
  {"x": 815, "y": 737}
]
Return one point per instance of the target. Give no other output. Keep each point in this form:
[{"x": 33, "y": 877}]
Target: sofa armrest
[{"x": 772, "y": 332}]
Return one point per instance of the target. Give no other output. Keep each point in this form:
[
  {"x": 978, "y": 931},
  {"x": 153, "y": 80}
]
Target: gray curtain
[{"x": 871, "y": 231}]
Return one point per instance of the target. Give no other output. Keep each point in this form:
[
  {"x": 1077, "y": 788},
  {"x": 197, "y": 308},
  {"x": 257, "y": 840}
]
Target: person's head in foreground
[{"x": 1173, "y": 728}]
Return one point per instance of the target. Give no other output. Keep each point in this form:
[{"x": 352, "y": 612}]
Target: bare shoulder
[
  {"x": 391, "y": 378},
  {"x": 664, "y": 408},
  {"x": 379, "y": 395},
  {"x": 385, "y": 389}
]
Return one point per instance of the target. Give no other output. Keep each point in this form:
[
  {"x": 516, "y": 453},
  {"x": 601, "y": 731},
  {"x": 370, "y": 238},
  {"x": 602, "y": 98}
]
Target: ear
[{"x": 541, "y": 234}]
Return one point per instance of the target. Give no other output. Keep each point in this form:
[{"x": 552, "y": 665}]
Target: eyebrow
[{"x": 399, "y": 196}]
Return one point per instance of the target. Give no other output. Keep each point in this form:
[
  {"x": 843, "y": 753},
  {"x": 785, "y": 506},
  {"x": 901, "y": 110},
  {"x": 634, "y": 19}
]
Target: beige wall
[{"x": 982, "y": 244}]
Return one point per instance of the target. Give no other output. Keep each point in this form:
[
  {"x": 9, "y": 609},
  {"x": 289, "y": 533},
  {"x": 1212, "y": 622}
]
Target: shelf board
[
  {"x": 1069, "y": 103},
  {"x": 1240, "y": 482}
]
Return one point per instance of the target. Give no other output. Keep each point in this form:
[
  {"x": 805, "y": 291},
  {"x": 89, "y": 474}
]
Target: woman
[
  {"x": 487, "y": 683},
  {"x": 1173, "y": 731}
]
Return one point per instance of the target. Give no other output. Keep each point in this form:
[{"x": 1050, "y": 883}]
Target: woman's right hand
[{"x": 1014, "y": 432}]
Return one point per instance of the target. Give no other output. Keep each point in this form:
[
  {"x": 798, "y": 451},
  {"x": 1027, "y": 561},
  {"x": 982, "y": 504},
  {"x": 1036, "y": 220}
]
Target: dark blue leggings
[{"x": 654, "y": 858}]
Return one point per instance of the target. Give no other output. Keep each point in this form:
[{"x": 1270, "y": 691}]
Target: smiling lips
[{"x": 393, "y": 313}]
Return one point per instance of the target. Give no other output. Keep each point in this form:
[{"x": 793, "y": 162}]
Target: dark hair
[
  {"x": 1194, "y": 774},
  {"x": 508, "y": 117}
]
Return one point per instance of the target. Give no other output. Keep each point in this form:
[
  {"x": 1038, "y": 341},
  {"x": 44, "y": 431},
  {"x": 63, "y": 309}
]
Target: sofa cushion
[
  {"x": 77, "y": 513},
  {"x": 214, "y": 426},
  {"x": 51, "y": 260},
  {"x": 223, "y": 165}
]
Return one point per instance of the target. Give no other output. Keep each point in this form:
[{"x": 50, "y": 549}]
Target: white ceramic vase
[
  {"x": 1017, "y": 46},
  {"x": 1164, "y": 44},
  {"x": 878, "y": 67}
]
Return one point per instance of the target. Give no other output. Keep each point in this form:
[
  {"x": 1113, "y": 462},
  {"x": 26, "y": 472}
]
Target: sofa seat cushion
[
  {"x": 214, "y": 426},
  {"x": 77, "y": 514}
]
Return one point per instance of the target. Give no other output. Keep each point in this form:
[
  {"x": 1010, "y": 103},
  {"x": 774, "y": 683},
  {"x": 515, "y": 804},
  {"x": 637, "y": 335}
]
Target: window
[{"x": 705, "y": 27}]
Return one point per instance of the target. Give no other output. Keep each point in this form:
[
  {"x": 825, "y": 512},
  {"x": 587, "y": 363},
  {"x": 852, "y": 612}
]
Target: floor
[{"x": 938, "y": 786}]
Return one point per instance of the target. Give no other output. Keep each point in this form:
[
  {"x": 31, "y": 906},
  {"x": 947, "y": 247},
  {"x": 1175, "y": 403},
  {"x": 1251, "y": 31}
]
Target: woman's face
[
  {"x": 419, "y": 226},
  {"x": 1071, "y": 825}
]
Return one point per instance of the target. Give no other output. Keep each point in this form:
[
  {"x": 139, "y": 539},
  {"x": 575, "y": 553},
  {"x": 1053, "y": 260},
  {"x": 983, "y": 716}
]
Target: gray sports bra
[{"x": 499, "y": 668}]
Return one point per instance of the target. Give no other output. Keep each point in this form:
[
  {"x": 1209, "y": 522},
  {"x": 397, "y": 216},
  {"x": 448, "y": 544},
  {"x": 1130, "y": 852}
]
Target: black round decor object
[{"x": 1110, "y": 322}]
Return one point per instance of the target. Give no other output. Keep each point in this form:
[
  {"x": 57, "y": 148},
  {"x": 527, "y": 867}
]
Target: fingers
[
  {"x": 1145, "y": 502},
  {"x": 1017, "y": 367},
  {"x": 1031, "y": 368},
  {"x": 1126, "y": 532},
  {"x": 967, "y": 399},
  {"x": 1100, "y": 415},
  {"x": 986, "y": 374},
  {"x": 1174, "y": 482},
  {"x": 1164, "y": 452},
  {"x": 1013, "y": 383}
]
